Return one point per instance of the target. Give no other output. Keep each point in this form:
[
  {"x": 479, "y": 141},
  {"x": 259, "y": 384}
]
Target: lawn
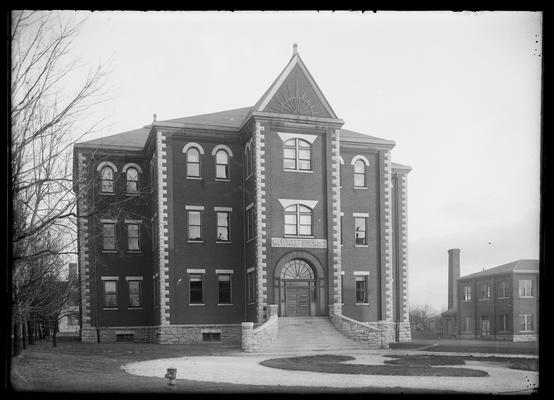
[
  {"x": 78, "y": 367},
  {"x": 470, "y": 346},
  {"x": 333, "y": 364},
  {"x": 527, "y": 364}
]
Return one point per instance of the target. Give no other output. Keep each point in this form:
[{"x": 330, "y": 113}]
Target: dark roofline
[{"x": 508, "y": 268}]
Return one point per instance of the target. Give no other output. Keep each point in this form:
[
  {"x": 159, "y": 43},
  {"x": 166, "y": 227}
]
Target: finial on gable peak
[
  {"x": 294, "y": 49},
  {"x": 155, "y": 117}
]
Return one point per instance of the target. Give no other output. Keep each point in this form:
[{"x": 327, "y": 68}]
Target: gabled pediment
[{"x": 295, "y": 92}]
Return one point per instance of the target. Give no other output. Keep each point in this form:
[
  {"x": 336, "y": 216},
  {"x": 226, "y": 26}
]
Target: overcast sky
[{"x": 458, "y": 92}]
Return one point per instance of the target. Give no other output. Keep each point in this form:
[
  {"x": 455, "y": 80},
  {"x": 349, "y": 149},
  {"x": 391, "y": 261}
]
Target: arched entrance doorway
[{"x": 297, "y": 289}]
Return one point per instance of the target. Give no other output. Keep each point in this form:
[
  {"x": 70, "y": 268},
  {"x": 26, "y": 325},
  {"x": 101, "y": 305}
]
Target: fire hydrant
[{"x": 171, "y": 375}]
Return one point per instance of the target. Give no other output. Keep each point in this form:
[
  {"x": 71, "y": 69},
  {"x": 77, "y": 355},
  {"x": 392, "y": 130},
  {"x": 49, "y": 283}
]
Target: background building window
[
  {"x": 251, "y": 283},
  {"x": 250, "y": 228},
  {"x": 110, "y": 293},
  {"x": 525, "y": 322},
  {"x": 223, "y": 226},
  {"x": 196, "y": 289},
  {"x": 222, "y": 165},
  {"x": 503, "y": 321},
  {"x": 132, "y": 180},
  {"x": 193, "y": 163},
  {"x": 360, "y": 224},
  {"x": 298, "y": 220},
  {"x": 485, "y": 325},
  {"x": 359, "y": 174},
  {"x": 133, "y": 237},
  {"x": 503, "y": 289},
  {"x": 135, "y": 293},
  {"x": 467, "y": 293},
  {"x": 224, "y": 289},
  {"x": 485, "y": 291},
  {"x": 108, "y": 236},
  {"x": 361, "y": 289},
  {"x": 297, "y": 155},
  {"x": 194, "y": 226},
  {"x": 525, "y": 288},
  {"x": 467, "y": 324},
  {"x": 106, "y": 180}
]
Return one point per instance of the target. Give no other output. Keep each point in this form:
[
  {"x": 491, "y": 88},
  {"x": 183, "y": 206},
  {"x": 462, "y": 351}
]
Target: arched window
[
  {"x": 298, "y": 220},
  {"x": 359, "y": 174},
  {"x": 297, "y": 269},
  {"x": 106, "y": 179},
  {"x": 297, "y": 155},
  {"x": 193, "y": 162},
  {"x": 222, "y": 165},
  {"x": 132, "y": 180}
]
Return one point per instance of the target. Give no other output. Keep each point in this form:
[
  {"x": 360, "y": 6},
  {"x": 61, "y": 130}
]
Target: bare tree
[
  {"x": 423, "y": 318},
  {"x": 45, "y": 109}
]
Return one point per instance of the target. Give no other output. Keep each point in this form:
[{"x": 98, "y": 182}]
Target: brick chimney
[{"x": 453, "y": 274}]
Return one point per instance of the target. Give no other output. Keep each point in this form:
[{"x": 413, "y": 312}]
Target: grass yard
[
  {"x": 527, "y": 364},
  {"x": 334, "y": 364},
  {"x": 78, "y": 367}
]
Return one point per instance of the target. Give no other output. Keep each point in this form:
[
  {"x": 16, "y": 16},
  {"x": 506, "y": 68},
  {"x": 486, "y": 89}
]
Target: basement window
[
  {"x": 124, "y": 337},
  {"x": 211, "y": 336}
]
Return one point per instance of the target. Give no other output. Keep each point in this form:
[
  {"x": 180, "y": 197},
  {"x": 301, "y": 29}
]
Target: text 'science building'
[{"x": 190, "y": 226}]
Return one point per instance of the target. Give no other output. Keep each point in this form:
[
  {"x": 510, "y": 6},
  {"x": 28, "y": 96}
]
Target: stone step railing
[{"x": 256, "y": 339}]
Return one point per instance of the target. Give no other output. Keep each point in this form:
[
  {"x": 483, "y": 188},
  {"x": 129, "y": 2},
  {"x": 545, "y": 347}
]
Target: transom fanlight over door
[{"x": 297, "y": 269}]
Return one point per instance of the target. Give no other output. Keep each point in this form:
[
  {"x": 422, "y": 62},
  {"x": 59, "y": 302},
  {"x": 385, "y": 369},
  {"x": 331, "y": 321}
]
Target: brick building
[
  {"x": 190, "y": 226},
  {"x": 500, "y": 303}
]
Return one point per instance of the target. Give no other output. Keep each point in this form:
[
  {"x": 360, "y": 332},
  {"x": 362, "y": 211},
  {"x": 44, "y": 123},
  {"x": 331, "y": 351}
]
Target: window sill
[
  {"x": 107, "y": 193},
  {"x": 135, "y": 308},
  {"x": 361, "y": 245},
  {"x": 194, "y": 178},
  {"x": 196, "y": 304},
  {"x": 195, "y": 241},
  {"x": 526, "y": 297},
  {"x": 497, "y": 332},
  {"x": 225, "y": 304},
  {"x": 526, "y": 331},
  {"x": 486, "y": 298},
  {"x": 465, "y": 301},
  {"x": 361, "y": 304},
  {"x": 134, "y": 251},
  {"x": 302, "y": 171},
  {"x": 221, "y": 242},
  {"x": 222, "y": 180},
  {"x": 109, "y": 251},
  {"x": 111, "y": 308},
  {"x": 360, "y": 188},
  {"x": 505, "y": 297},
  {"x": 299, "y": 236}
]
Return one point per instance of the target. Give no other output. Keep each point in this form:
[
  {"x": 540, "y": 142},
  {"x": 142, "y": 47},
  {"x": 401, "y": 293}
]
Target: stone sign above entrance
[{"x": 302, "y": 243}]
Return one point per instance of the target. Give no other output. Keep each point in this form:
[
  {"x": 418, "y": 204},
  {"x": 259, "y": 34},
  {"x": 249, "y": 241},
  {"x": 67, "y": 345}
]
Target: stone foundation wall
[
  {"x": 190, "y": 334},
  {"x": 405, "y": 332},
  {"x": 526, "y": 338},
  {"x": 88, "y": 335}
]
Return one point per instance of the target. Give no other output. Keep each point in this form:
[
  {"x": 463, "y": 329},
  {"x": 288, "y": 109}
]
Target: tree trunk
[
  {"x": 55, "y": 331},
  {"x": 16, "y": 337},
  {"x": 31, "y": 332},
  {"x": 24, "y": 332}
]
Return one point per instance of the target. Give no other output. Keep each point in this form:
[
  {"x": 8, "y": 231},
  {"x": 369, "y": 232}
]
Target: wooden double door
[{"x": 297, "y": 298}]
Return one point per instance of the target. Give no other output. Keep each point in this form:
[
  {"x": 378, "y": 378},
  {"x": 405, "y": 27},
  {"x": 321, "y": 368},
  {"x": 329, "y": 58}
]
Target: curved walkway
[{"x": 245, "y": 369}]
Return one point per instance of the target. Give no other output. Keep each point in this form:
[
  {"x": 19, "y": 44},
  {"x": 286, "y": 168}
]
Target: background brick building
[
  {"x": 190, "y": 226},
  {"x": 499, "y": 303}
]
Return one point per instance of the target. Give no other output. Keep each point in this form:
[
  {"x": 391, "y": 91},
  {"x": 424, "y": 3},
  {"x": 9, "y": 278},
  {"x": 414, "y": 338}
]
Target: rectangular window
[
  {"x": 485, "y": 325},
  {"x": 297, "y": 155},
  {"x": 110, "y": 293},
  {"x": 467, "y": 293},
  {"x": 250, "y": 223},
  {"x": 503, "y": 289},
  {"x": 108, "y": 235},
  {"x": 467, "y": 324},
  {"x": 194, "y": 226},
  {"x": 224, "y": 289},
  {"x": 525, "y": 322},
  {"x": 133, "y": 237},
  {"x": 525, "y": 288},
  {"x": 196, "y": 289},
  {"x": 360, "y": 224},
  {"x": 135, "y": 293},
  {"x": 361, "y": 289},
  {"x": 251, "y": 283},
  {"x": 223, "y": 226},
  {"x": 211, "y": 336},
  {"x": 503, "y": 321},
  {"x": 156, "y": 291},
  {"x": 485, "y": 291}
]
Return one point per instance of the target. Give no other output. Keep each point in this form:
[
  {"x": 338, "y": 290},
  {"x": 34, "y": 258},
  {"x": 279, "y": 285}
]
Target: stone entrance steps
[{"x": 310, "y": 334}]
